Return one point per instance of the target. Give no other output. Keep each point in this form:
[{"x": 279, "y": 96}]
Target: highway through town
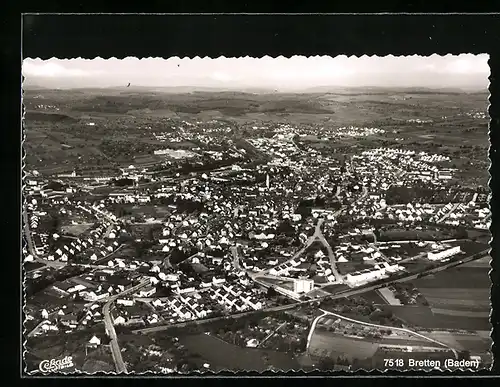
[
  {"x": 318, "y": 234},
  {"x": 342, "y": 294},
  {"x": 160, "y": 328},
  {"x": 110, "y": 328}
]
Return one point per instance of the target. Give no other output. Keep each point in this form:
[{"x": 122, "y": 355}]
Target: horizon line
[{"x": 244, "y": 89}]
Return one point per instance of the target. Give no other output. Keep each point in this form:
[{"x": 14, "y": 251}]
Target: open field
[
  {"x": 470, "y": 247},
  {"x": 473, "y": 300},
  {"x": 459, "y": 298},
  {"x": 76, "y": 229},
  {"x": 456, "y": 278},
  {"x": 423, "y": 317},
  {"x": 98, "y": 131},
  {"x": 47, "y": 298},
  {"x": 334, "y": 288},
  {"x": 31, "y": 266},
  {"x": 328, "y": 344},
  {"x": 461, "y": 313},
  {"x": 223, "y": 356},
  {"x": 477, "y": 343},
  {"x": 484, "y": 262}
]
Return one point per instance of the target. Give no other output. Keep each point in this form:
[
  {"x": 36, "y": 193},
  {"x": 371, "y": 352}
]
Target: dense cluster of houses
[
  {"x": 415, "y": 167},
  {"x": 353, "y": 131},
  {"x": 243, "y": 210}
]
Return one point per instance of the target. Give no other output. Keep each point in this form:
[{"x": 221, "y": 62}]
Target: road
[
  {"x": 313, "y": 327},
  {"x": 318, "y": 235},
  {"x": 408, "y": 331},
  {"x": 236, "y": 259},
  {"x": 146, "y": 223},
  {"x": 337, "y": 193},
  {"x": 419, "y": 240},
  {"x": 31, "y": 245},
  {"x": 106, "y": 257},
  {"x": 453, "y": 208},
  {"x": 36, "y": 329},
  {"x": 308, "y": 243},
  {"x": 363, "y": 195},
  {"x": 110, "y": 328},
  {"x": 374, "y": 245},
  {"x": 27, "y": 233},
  {"x": 214, "y": 319},
  {"x": 342, "y": 294},
  {"x": 39, "y": 326},
  {"x": 105, "y": 215}
]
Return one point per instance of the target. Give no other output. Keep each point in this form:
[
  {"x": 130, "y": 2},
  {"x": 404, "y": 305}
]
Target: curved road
[
  {"x": 318, "y": 235},
  {"x": 31, "y": 245},
  {"x": 313, "y": 327},
  {"x": 326, "y": 312}
]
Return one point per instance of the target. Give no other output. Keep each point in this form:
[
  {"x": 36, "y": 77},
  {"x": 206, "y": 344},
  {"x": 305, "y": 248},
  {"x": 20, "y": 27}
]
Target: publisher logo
[{"x": 54, "y": 365}]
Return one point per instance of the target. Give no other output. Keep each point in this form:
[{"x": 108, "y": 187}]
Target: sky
[{"x": 282, "y": 74}]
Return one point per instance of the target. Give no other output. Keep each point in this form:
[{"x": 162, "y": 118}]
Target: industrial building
[
  {"x": 368, "y": 275},
  {"x": 443, "y": 254},
  {"x": 303, "y": 285}
]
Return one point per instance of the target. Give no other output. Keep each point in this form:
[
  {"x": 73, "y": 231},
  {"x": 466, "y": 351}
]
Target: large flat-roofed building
[
  {"x": 443, "y": 254},
  {"x": 444, "y": 174},
  {"x": 303, "y": 285}
]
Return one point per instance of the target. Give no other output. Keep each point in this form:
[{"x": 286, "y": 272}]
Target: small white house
[
  {"x": 95, "y": 341},
  {"x": 252, "y": 343},
  {"x": 120, "y": 320}
]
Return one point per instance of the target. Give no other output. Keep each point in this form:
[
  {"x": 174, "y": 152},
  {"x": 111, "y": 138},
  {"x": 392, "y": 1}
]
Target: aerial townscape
[{"x": 178, "y": 231}]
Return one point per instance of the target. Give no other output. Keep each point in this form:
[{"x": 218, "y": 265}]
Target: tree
[
  {"x": 326, "y": 364},
  {"x": 271, "y": 292}
]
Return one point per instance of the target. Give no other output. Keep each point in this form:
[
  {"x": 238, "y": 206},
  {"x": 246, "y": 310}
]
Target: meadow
[{"x": 224, "y": 356}]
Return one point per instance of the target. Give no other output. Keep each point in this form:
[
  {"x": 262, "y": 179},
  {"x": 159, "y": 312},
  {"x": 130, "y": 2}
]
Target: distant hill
[
  {"x": 151, "y": 89},
  {"x": 249, "y": 90},
  {"x": 389, "y": 90},
  {"x": 51, "y": 117}
]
